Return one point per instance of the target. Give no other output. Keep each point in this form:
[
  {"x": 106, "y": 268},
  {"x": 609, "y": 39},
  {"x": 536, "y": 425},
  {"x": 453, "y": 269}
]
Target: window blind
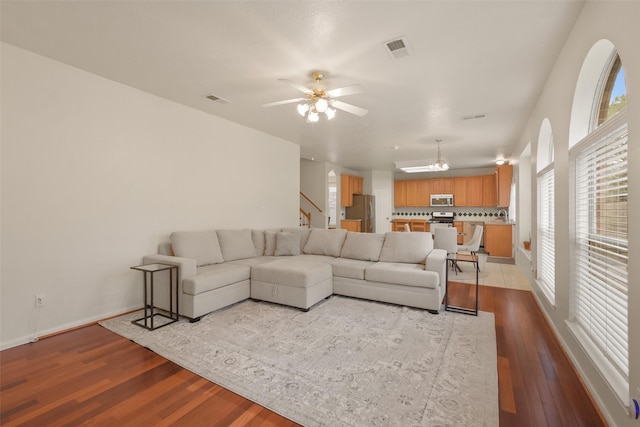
[
  {"x": 546, "y": 233},
  {"x": 601, "y": 245}
]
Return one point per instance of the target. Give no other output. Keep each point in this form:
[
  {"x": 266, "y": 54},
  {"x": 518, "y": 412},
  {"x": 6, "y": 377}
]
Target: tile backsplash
[{"x": 460, "y": 213}]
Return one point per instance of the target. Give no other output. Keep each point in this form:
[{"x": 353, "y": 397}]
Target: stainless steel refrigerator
[{"x": 364, "y": 209}]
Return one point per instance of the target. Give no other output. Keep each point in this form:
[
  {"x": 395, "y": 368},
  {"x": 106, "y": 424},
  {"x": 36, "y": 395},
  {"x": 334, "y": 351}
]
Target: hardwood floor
[{"x": 93, "y": 376}]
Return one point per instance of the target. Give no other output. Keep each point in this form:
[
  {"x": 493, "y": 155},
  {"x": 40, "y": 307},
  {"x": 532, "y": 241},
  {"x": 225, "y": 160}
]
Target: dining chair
[{"x": 447, "y": 238}]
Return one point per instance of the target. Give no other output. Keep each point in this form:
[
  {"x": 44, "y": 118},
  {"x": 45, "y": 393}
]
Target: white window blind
[
  {"x": 546, "y": 233},
  {"x": 601, "y": 245}
]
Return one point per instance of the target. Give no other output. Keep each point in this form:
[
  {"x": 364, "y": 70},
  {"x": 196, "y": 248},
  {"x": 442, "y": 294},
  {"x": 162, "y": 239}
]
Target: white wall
[
  {"x": 95, "y": 174},
  {"x": 617, "y": 22}
]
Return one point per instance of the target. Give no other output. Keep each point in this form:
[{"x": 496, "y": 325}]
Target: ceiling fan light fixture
[
  {"x": 313, "y": 116},
  {"x": 331, "y": 113},
  {"x": 302, "y": 109},
  {"x": 321, "y": 105}
]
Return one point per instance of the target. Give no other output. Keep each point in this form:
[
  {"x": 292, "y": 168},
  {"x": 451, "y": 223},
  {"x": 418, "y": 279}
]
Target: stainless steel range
[{"x": 441, "y": 218}]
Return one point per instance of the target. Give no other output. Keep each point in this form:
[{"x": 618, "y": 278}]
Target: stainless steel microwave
[{"x": 442, "y": 200}]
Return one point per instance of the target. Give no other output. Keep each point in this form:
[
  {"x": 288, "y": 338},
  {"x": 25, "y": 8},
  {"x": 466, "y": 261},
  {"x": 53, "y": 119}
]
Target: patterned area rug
[{"x": 346, "y": 362}]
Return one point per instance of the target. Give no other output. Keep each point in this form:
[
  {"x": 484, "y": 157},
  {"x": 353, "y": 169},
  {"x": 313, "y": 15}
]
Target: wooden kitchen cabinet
[
  {"x": 489, "y": 190},
  {"x": 504, "y": 175},
  {"x": 350, "y": 185},
  {"x": 498, "y": 240},
  {"x": 400, "y": 193},
  {"x": 441, "y": 185},
  {"x": 460, "y": 191},
  {"x": 351, "y": 225},
  {"x": 423, "y": 193},
  {"x": 398, "y": 224},
  {"x": 474, "y": 191},
  {"x": 419, "y": 225}
]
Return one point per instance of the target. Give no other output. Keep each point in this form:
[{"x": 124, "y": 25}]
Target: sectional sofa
[{"x": 300, "y": 266}]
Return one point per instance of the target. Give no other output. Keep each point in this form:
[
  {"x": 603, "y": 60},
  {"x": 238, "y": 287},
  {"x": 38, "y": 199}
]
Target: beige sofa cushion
[
  {"x": 236, "y": 244},
  {"x": 402, "y": 274},
  {"x": 215, "y": 276},
  {"x": 202, "y": 246},
  {"x": 362, "y": 246},
  {"x": 258, "y": 241},
  {"x": 350, "y": 268},
  {"x": 290, "y": 272},
  {"x": 287, "y": 244},
  {"x": 406, "y": 247},
  {"x": 325, "y": 242},
  {"x": 303, "y": 232}
]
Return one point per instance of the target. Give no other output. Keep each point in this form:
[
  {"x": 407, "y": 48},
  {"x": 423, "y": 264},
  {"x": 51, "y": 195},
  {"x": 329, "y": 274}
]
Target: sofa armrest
[
  {"x": 186, "y": 266},
  {"x": 437, "y": 262}
]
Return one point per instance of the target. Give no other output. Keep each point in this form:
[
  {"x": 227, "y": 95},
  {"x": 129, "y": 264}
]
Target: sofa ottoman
[{"x": 292, "y": 282}]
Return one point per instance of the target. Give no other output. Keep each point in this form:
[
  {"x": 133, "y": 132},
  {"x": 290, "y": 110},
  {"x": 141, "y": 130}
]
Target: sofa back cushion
[
  {"x": 287, "y": 244},
  {"x": 258, "y": 241},
  {"x": 325, "y": 242},
  {"x": 302, "y": 231},
  {"x": 410, "y": 248},
  {"x": 236, "y": 244},
  {"x": 202, "y": 246},
  {"x": 363, "y": 246}
]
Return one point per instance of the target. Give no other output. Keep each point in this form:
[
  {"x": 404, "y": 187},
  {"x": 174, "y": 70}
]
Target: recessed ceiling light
[{"x": 395, "y": 147}]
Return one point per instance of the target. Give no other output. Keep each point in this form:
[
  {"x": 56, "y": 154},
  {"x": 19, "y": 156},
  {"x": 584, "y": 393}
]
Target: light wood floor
[{"x": 93, "y": 376}]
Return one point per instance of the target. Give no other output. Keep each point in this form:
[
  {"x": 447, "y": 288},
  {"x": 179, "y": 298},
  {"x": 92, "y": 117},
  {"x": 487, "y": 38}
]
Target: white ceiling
[{"x": 468, "y": 58}]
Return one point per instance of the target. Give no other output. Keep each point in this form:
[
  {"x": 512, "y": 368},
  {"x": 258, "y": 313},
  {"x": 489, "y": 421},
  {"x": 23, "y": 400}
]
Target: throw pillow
[
  {"x": 325, "y": 242},
  {"x": 304, "y": 234},
  {"x": 236, "y": 244},
  {"x": 270, "y": 242},
  {"x": 363, "y": 246},
  {"x": 410, "y": 248},
  {"x": 258, "y": 241},
  {"x": 287, "y": 244},
  {"x": 203, "y": 246}
]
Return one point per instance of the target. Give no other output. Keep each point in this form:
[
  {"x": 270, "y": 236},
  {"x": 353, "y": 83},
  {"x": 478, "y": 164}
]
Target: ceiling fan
[{"x": 318, "y": 100}]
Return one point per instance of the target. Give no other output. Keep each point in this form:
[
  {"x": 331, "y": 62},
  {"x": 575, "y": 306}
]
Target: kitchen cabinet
[
  {"x": 474, "y": 191},
  {"x": 423, "y": 193},
  {"x": 350, "y": 185},
  {"x": 498, "y": 240},
  {"x": 459, "y": 226},
  {"x": 489, "y": 190},
  {"x": 419, "y": 225},
  {"x": 400, "y": 193},
  {"x": 441, "y": 186},
  {"x": 398, "y": 224},
  {"x": 504, "y": 174},
  {"x": 460, "y": 191},
  {"x": 351, "y": 225},
  {"x": 417, "y": 192}
]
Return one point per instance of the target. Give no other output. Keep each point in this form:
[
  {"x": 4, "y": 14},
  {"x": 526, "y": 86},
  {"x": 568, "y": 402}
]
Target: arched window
[
  {"x": 546, "y": 214},
  {"x": 614, "y": 92},
  {"x": 598, "y": 160}
]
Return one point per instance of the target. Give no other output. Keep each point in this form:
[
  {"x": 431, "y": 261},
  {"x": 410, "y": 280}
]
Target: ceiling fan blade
[
  {"x": 347, "y": 90},
  {"x": 296, "y": 86},
  {"x": 286, "y": 101},
  {"x": 350, "y": 108}
]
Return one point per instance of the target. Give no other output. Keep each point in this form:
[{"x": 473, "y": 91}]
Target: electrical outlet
[{"x": 39, "y": 300}]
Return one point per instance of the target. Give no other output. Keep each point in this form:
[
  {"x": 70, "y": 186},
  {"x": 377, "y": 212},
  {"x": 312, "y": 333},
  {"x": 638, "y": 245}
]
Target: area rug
[{"x": 346, "y": 362}]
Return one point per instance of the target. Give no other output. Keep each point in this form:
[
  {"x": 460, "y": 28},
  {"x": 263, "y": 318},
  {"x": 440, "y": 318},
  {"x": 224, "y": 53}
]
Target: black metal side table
[
  {"x": 150, "y": 311},
  {"x": 456, "y": 258}
]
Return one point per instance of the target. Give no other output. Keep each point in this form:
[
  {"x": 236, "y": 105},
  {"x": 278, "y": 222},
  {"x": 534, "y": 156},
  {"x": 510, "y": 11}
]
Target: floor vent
[
  {"x": 217, "y": 99},
  {"x": 397, "y": 48}
]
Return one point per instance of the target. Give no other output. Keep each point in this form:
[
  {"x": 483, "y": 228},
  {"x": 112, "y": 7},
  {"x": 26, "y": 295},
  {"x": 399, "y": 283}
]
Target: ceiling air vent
[
  {"x": 397, "y": 48},
  {"x": 477, "y": 116},
  {"x": 217, "y": 99}
]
